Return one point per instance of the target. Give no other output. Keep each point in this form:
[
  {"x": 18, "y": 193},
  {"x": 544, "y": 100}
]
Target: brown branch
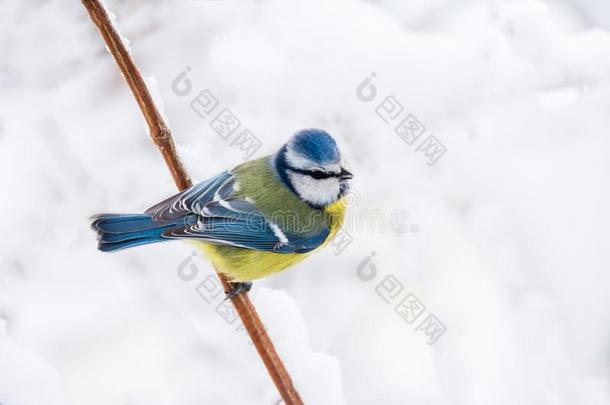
[{"x": 162, "y": 137}]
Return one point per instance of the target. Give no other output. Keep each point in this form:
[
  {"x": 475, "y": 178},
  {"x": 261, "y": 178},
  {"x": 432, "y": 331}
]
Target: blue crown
[{"x": 315, "y": 144}]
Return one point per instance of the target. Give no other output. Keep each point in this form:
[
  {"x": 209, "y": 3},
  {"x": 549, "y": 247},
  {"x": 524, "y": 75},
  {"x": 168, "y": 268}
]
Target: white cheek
[{"x": 318, "y": 192}]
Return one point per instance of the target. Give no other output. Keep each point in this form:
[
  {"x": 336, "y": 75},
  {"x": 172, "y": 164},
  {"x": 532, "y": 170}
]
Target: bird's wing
[
  {"x": 219, "y": 217},
  {"x": 193, "y": 199}
]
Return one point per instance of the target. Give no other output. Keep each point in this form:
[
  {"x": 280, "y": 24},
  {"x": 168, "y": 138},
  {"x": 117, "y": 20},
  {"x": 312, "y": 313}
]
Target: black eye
[{"x": 318, "y": 175}]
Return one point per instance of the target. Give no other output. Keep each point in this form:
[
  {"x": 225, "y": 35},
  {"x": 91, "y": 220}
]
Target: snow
[
  {"x": 27, "y": 378},
  {"x": 505, "y": 242}
]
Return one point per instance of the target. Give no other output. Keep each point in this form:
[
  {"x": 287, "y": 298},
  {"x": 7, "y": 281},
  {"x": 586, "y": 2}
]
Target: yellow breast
[{"x": 246, "y": 264}]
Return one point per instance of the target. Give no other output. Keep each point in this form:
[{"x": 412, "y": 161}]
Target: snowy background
[{"x": 506, "y": 237}]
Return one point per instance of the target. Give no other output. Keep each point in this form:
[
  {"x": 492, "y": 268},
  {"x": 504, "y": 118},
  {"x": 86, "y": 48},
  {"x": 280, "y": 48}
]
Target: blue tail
[{"x": 121, "y": 231}]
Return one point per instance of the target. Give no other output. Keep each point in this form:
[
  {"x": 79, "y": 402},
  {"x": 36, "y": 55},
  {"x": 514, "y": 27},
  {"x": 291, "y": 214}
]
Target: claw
[{"x": 237, "y": 288}]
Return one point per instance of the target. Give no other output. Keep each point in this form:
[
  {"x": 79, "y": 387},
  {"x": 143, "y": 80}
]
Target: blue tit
[{"x": 254, "y": 220}]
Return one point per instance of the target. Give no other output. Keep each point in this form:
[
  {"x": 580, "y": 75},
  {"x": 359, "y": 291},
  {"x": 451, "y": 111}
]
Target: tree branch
[{"x": 162, "y": 137}]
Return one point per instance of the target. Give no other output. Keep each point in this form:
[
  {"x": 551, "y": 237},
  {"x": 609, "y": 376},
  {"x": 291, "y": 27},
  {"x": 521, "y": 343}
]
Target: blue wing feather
[
  {"x": 223, "y": 219},
  {"x": 191, "y": 200}
]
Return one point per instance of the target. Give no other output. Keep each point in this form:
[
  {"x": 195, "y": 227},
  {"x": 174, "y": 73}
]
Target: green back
[{"x": 259, "y": 182}]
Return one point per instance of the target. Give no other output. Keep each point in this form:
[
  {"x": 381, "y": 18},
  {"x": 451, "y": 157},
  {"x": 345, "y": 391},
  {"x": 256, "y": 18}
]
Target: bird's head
[{"x": 310, "y": 164}]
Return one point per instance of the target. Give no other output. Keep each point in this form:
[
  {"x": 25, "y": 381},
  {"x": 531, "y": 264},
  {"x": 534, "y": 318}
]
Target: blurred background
[{"x": 474, "y": 264}]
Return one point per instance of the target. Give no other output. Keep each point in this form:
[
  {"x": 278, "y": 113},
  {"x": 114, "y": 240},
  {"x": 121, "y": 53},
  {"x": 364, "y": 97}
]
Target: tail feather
[
  {"x": 120, "y": 223},
  {"x": 121, "y": 231},
  {"x": 114, "y": 246}
]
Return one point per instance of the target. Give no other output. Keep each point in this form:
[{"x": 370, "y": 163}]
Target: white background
[{"x": 509, "y": 248}]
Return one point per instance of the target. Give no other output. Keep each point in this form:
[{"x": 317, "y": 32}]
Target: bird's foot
[{"x": 238, "y": 288}]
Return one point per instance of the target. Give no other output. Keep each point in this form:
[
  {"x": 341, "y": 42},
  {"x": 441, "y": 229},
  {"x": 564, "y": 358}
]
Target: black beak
[{"x": 345, "y": 175}]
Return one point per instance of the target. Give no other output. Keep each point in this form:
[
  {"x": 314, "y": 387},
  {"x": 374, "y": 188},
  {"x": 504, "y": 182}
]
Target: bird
[{"x": 254, "y": 220}]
